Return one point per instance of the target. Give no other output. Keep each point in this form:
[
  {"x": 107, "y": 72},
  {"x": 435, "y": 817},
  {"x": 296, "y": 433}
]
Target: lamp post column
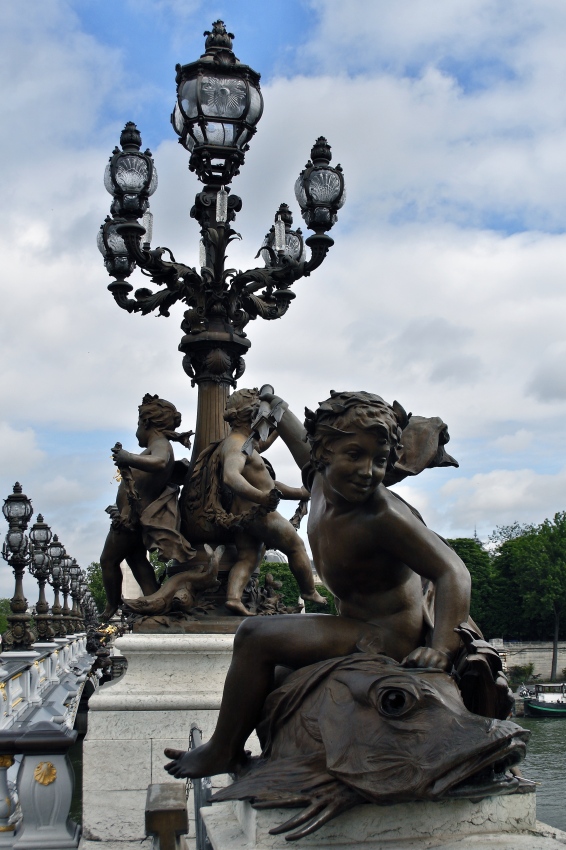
[
  {"x": 56, "y": 550},
  {"x": 17, "y": 510},
  {"x": 40, "y": 536}
]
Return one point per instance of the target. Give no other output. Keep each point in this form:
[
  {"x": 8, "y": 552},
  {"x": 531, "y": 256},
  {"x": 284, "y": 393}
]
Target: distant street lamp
[
  {"x": 66, "y": 563},
  {"x": 91, "y": 618},
  {"x": 83, "y": 588},
  {"x": 75, "y": 572},
  {"x": 218, "y": 106},
  {"x": 17, "y": 510},
  {"x": 56, "y": 550},
  {"x": 39, "y": 567}
]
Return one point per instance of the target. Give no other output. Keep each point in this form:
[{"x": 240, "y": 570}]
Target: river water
[{"x": 546, "y": 764}]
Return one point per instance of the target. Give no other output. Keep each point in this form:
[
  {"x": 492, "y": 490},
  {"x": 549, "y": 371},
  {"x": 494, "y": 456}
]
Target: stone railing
[
  {"x": 45, "y": 683},
  {"x": 40, "y": 692}
]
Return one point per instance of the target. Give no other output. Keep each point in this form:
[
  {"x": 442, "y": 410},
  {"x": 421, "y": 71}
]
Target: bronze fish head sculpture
[{"x": 365, "y": 729}]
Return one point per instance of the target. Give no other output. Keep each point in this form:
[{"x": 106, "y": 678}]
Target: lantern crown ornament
[
  {"x": 219, "y": 104},
  {"x": 40, "y": 533},
  {"x": 320, "y": 189},
  {"x": 55, "y": 551},
  {"x": 281, "y": 241},
  {"x": 17, "y": 507},
  {"x": 130, "y": 176}
]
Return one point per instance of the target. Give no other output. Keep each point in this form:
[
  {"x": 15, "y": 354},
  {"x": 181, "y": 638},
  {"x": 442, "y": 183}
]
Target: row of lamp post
[{"x": 47, "y": 561}]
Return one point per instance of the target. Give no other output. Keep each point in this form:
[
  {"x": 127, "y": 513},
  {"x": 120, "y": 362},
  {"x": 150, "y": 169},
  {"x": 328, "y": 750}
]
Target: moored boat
[{"x": 548, "y": 701}]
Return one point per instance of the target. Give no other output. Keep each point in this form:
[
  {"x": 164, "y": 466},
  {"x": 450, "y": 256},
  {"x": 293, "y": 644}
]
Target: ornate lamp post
[
  {"x": 218, "y": 106},
  {"x": 75, "y": 572},
  {"x": 83, "y": 588},
  {"x": 90, "y": 611},
  {"x": 40, "y": 536},
  {"x": 55, "y": 551},
  {"x": 66, "y": 564},
  {"x": 17, "y": 510}
]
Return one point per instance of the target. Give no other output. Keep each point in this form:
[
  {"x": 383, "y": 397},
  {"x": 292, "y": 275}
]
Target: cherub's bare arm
[
  {"x": 233, "y": 464},
  {"x": 265, "y": 444},
  {"x": 292, "y": 492},
  {"x": 156, "y": 461},
  {"x": 424, "y": 552},
  {"x": 291, "y": 430}
]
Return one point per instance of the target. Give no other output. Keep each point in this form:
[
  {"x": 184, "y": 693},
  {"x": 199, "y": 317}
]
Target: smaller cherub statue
[
  {"x": 238, "y": 492},
  {"x": 145, "y": 517}
]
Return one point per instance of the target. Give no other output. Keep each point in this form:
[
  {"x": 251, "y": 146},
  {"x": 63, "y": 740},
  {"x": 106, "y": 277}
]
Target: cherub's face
[
  {"x": 142, "y": 434},
  {"x": 357, "y": 465}
]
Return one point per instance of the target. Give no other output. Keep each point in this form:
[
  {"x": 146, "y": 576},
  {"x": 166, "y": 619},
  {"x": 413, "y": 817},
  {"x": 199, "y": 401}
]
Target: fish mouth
[{"x": 488, "y": 773}]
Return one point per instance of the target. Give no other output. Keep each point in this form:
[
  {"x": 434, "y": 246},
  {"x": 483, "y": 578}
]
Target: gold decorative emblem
[
  {"x": 6, "y": 761},
  {"x": 45, "y": 773}
]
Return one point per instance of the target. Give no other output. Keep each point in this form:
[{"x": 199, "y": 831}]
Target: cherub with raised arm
[
  {"x": 372, "y": 552},
  {"x": 145, "y": 517},
  {"x": 248, "y": 500}
]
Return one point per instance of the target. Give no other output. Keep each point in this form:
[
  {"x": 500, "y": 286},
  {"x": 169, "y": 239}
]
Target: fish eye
[{"x": 394, "y": 702}]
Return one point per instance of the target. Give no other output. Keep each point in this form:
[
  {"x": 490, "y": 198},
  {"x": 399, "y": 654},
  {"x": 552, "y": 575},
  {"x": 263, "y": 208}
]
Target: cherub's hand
[
  {"x": 425, "y": 656},
  {"x": 120, "y": 456},
  {"x": 271, "y": 499},
  {"x": 267, "y": 394}
]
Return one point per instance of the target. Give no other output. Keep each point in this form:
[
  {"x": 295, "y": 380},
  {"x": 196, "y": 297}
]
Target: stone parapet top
[{"x": 129, "y": 644}]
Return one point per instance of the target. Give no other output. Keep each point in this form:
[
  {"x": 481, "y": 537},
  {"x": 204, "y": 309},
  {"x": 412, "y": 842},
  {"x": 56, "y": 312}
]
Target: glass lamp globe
[{"x": 219, "y": 104}]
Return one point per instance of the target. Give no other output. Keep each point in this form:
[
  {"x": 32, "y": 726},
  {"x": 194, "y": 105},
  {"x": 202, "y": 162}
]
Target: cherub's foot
[
  {"x": 315, "y": 596},
  {"x": 238, "y": 607},
  {"x": 203, "y": 761},
  {"x": 108, "y": 613}
]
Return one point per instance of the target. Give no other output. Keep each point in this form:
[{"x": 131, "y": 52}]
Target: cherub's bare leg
[
  {"x": 260, "y": 645},
  {"x": 142, "y": 569},
  {"x": 249, "y": 552},
  {"x": 280, "y": 534},
  {"x": 115, "y": 549}
]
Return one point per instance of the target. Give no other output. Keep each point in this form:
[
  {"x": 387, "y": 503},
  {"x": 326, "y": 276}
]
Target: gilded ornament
[
  {"x": 6, "y": 761},
  {"x": 45, "y": 773}
]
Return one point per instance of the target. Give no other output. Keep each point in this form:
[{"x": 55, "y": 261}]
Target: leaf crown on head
[{"x": 344, "y": 410}]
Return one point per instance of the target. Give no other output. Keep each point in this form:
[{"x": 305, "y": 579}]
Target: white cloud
[
  {"x": 428, "y": 295},
  {"x": 517, "y": 442},
  {"x": 509, "y": 495},
  {"x": 19, "y": 452}
]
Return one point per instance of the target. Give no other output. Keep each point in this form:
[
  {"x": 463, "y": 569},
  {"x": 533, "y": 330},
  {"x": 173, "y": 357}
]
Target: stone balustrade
[
  {"x": 40, "y": 692},
  {"x": 44, "y": 683}
]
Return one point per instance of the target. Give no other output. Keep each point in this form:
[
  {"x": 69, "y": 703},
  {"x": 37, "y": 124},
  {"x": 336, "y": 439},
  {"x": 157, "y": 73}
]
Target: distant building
[{"x": 273, "y": 556}]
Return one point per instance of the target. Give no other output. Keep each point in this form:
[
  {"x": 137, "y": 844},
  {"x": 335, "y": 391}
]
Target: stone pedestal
[
  {"x": 171, "y": 682},
  {"x": 506, "y": 823}
]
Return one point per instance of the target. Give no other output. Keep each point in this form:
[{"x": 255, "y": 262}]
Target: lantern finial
[
  {"x": 218, "y": 37},
  {"x": 130, "y": 138}
]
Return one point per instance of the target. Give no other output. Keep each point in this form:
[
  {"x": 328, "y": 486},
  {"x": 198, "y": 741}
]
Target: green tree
[
  {"x": 4, "y": 611},
  {"x": 96, "y": 585},
  {"x": 535, "y": 561},
  {"x": 290, "y": 589},
  {"x": 158, "y": 565},
  {"x": 479, "y": 564}
]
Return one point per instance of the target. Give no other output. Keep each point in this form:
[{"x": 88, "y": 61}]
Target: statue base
[
  {"x": 171, "y": 682},
  {"x": 507, "y": 823},
  {"x": 177, "y": 626}
]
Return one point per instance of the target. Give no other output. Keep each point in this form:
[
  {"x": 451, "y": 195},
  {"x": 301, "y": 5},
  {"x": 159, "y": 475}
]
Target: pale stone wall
[
  {"x": 130, "y": 587},
  {"x": 538, "y": 653}
]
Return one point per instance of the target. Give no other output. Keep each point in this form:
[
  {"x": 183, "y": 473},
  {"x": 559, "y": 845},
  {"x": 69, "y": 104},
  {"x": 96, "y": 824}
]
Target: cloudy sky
[{"x": 446, "y": 288}]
